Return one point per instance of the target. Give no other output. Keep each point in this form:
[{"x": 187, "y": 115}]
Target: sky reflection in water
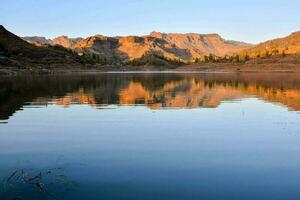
[{"x": 154, "y": 136}]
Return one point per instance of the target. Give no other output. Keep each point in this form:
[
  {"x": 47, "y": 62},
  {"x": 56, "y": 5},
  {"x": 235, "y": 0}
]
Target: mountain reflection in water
[{"x": 156, "y": 91}]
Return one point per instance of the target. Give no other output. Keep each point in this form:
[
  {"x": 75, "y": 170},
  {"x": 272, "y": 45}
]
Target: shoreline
[{"x": 205, "y": 68}]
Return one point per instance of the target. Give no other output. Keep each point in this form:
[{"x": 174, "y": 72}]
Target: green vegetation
[
  {"x": 239, "y": 58},
  {"x": 225, "y": 59}
]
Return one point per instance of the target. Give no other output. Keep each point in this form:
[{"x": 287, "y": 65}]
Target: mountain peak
[
  {"x": 63, "y": 40},
  {"x": 62, "y": 37},
  {"x": 11, "y": 42},
  {"x": 3, "y": 30},
  {"x": 211, "y": 35}
]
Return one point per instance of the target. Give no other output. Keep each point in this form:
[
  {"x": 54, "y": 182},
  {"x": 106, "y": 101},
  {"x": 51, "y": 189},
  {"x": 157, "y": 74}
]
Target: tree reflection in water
[{"x": 155, "y": 91}]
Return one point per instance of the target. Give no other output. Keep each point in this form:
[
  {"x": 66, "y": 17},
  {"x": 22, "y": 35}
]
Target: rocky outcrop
[
  {"x": 64, "y": 41},
  {"x": 103, "y": 46}
]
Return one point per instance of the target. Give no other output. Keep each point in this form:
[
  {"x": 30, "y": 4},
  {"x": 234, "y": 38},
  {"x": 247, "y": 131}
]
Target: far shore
[{"x": 194, "y": 68}]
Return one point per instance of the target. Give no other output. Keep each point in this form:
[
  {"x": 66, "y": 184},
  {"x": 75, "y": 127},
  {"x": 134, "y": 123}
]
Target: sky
[{"x": 251, "y": 21}]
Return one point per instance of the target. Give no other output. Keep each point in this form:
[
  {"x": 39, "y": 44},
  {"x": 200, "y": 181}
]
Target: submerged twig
[
  {"x": 11, "y": 176},
  {"x": 39, "y": 181}
]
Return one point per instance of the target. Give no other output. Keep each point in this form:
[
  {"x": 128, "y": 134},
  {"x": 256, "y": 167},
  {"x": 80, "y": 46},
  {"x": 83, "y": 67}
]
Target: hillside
[
  {"x": 280, "y": 46},
  {"x": 15, "y": 52}
]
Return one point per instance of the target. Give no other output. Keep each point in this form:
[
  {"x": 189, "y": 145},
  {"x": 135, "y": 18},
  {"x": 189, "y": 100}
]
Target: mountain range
[
  {"x": 183, "y": 47},
  {"x": 155, "y": 49}
]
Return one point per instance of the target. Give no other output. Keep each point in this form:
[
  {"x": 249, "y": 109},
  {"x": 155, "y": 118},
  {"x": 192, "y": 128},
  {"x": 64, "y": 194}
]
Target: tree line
[{"x": 238, "y": 58}]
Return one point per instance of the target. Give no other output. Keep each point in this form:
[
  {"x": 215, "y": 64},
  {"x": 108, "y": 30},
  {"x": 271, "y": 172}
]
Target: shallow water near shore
[{"x": 150, "y": 136}]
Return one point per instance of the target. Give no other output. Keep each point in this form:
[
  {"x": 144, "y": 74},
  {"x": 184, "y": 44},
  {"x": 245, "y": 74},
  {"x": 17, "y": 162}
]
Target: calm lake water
[{"x": 150, "y": 136}]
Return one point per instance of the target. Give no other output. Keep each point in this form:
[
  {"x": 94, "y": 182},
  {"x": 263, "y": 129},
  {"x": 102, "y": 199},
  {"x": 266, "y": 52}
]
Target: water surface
[{"x": 150, "y": 136}]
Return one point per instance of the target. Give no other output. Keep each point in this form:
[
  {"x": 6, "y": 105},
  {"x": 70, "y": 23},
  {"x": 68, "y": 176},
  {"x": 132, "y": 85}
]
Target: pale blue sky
[{"x": 244, "y": 20}]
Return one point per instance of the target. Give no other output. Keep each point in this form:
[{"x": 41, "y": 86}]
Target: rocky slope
[
  {"x": 280, "y": 46},
  {"x": 198, "y": 45}
]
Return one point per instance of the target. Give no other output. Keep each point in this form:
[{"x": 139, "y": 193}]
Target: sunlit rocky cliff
[{"x": 184, "y": 47}]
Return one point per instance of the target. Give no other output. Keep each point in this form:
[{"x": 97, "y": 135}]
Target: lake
[{"x": 150, "y": 136}]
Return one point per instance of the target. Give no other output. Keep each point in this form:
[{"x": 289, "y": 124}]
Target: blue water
[{"x": 244, "y": 148}]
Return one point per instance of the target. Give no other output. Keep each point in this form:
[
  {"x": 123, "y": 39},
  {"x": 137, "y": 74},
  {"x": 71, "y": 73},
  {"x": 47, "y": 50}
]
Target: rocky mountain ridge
[{"x": 175, "y": 46}]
